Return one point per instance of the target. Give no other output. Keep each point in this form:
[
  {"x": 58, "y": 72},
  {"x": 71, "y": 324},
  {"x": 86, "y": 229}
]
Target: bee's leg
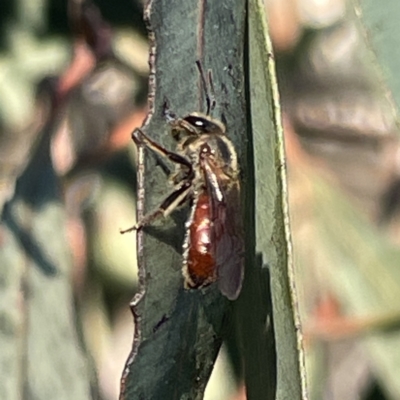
[
  {"x": 178, "y": 195},
  {"x": 167, "y": 206},
  {"x": 141, "y": 139}
]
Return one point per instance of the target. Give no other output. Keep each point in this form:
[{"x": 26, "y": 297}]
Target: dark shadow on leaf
[
  {"x": 173, "y": 236},
  {"x": 211, "y": 296},
  {"x": 28, "y": 243},
  {"x": 270, "y": 345},
  {"x": 256, "y": 330}
]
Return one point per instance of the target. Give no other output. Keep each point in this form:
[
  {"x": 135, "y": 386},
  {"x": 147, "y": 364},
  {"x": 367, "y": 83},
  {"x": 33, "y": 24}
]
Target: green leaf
[
  {"x": 273, "y": 246},
  {"x": 381, "y": 24},
  {"x": 41, "y": 353},
  {"x": 178, "y": 332}
]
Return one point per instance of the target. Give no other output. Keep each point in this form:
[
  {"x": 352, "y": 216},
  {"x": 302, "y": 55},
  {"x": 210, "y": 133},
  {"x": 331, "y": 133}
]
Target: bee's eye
[
  {"x": 199, "y": 123},
  {"x": 202, "y": 124}
]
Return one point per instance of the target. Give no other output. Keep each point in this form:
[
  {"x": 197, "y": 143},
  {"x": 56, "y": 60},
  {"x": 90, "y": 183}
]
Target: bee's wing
[{"x": 227, "y": 231}]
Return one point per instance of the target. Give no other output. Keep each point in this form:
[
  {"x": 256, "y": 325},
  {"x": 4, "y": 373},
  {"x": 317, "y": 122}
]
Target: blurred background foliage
[{"x": 85, "y": 77}]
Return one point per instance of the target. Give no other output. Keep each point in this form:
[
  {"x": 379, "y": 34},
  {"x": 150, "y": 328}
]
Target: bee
[{"x": 206, "y": 177}]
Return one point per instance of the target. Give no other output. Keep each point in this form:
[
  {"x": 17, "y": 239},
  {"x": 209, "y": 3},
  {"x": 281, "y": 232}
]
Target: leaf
[
  {"x": 273, "y": 247},
  {"x": 41, "y": 353},
  {"x": 178, "y": 332},
  {"x": 380, "y": 24}
]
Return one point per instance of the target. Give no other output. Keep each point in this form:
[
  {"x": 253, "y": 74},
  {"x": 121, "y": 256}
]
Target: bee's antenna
[
  {"x": 212, "y": 91},
  {"x": 208, "y": 88}
]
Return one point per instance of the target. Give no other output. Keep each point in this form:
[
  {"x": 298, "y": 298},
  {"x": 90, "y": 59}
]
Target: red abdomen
[{"x": 200, "y": 260}]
